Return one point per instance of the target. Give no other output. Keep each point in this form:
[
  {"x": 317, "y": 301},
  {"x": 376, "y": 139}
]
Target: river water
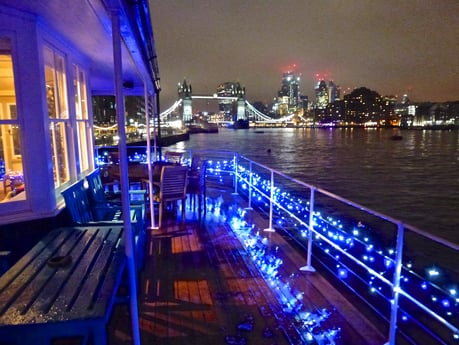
[{"x": 415, "y": 180}]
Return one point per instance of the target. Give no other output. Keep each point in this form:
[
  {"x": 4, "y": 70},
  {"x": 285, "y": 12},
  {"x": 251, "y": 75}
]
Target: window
[
  {"x": 81, "y": 109},
  {"x": 11, "y": 168},
  {"x": 56, "y": 94}
]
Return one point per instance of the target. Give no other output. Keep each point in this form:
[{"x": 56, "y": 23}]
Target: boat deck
[{"x": 201, "y": 286}]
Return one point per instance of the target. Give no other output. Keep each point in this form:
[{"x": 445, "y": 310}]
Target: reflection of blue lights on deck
[{"x": 308, "y": 323}]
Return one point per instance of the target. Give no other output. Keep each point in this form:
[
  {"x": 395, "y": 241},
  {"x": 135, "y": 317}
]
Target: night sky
[{"x": 392, "y": 47}]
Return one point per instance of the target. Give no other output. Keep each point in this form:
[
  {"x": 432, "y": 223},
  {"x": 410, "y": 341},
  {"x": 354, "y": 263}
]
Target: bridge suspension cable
[
  {"x": 258, "y": 115},
  {"x": 171, "y": 109}
]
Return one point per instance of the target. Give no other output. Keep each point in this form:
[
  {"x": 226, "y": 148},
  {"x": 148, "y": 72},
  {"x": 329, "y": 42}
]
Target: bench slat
[
  {"x": 20, "y": 276},
  {"x": 84, "y": 276},
  {"x": 63, "y": 277},
  {"x": 42, "y": 280},
  {"x": 76, "y": 299},
  {"x": 91, "y": 288}
]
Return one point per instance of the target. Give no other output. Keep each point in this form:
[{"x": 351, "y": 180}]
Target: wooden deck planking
[{"x": 200, "y": 284}]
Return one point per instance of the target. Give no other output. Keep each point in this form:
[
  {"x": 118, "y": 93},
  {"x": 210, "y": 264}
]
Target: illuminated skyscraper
[
  {"x": 333, "y": 92},
  {"x": 289, "y": 94},
  {"x": 322, "y": 96}
]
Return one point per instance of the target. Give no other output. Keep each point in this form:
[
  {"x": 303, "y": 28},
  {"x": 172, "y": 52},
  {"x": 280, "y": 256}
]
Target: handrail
[{"x": 361, "y": 207}]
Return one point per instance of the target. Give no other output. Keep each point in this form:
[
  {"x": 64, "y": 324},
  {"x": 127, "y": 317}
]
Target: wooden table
[
  {"x": 65, "y": 286},
  {"x": 137, "y": 172}
]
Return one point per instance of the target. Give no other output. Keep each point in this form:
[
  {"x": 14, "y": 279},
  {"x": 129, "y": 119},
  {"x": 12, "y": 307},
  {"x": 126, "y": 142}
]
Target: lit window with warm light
[{"x": 11, "y": 167}]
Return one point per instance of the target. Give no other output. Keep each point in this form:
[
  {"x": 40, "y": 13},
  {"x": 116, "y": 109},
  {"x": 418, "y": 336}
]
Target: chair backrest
[
  {"x": 202, "y": 174},
  {"x": 173, "y": 157},
  {"x": 95, "y": 187},
  {"x": 195, "y": 163},
  {"x": 77, "y": 202},
  {"x": 173, "y": 182}
]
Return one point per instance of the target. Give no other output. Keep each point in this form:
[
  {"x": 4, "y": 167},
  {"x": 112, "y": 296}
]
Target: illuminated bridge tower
[
  {"x": 185, "y": 93},
  {"x": 240, "y": 94}
]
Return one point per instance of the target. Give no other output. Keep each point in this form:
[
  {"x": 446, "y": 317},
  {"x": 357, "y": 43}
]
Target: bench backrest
[{"x": 77, "y": 202}]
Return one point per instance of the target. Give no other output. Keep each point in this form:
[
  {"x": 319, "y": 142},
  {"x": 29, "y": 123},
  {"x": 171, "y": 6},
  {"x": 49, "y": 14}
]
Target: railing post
[
  {"x": 396, "y": 285},
  {"x": 235, "y": 174},
  {"x": 250, "y": 186},
  {"x": 271, "y": 197},
  {"x": 308, "y": 266}
]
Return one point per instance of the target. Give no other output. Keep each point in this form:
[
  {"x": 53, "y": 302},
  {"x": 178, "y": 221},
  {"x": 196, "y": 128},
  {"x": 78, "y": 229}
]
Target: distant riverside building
[
  {"x": 104, "y": 110},
  {"x": 322, "y": 95},
  {"x": 333, "y": 92},
  {"x": 427, "y": 114},
  {"x": 401, "y": 111},
  {"x": 289, "y": 98}
]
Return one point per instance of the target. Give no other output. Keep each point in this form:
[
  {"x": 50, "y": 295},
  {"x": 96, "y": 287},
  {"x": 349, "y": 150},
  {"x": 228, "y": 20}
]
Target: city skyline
[{"x": 390, "y": 47}]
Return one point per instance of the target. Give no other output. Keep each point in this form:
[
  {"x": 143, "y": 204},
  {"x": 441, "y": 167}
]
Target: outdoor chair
[
  {"x": 195, "y": 164},
  {"x": 100, "y": 198},
  {"x": 196, "y": 187},
  {"x": 172, "y": 188},
  {"x": 173, "y": 157}
]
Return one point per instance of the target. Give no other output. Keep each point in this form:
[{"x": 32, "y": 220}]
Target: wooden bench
[
  {"x": 63, "y": 288},
  {"x": 85, "y": 212}
]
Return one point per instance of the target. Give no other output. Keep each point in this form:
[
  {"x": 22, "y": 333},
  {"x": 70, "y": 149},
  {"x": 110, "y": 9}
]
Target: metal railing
[{"x": 405, "y": 275}]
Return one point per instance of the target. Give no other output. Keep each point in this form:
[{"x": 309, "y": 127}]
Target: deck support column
[
  {"x": 150, "y": 169},
  {"x": 124, "y": 178}
]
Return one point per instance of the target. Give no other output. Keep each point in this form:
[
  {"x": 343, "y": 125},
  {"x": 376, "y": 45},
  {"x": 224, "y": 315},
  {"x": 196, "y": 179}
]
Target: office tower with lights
[
  {"x": 322, "y": 95},
  {"x": 333, "y": 92},
  {"x": 289, "y": 95}
]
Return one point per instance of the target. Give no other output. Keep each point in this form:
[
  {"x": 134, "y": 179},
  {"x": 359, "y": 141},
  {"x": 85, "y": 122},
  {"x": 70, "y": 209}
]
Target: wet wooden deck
[{"x": 199, "y": 286}]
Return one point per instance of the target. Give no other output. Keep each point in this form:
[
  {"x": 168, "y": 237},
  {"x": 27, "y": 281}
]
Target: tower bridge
[{"x": 245, "y": 111}]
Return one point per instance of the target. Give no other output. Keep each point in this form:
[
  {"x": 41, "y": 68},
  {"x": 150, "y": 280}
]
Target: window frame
[{"x": 56, "y": 66}]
